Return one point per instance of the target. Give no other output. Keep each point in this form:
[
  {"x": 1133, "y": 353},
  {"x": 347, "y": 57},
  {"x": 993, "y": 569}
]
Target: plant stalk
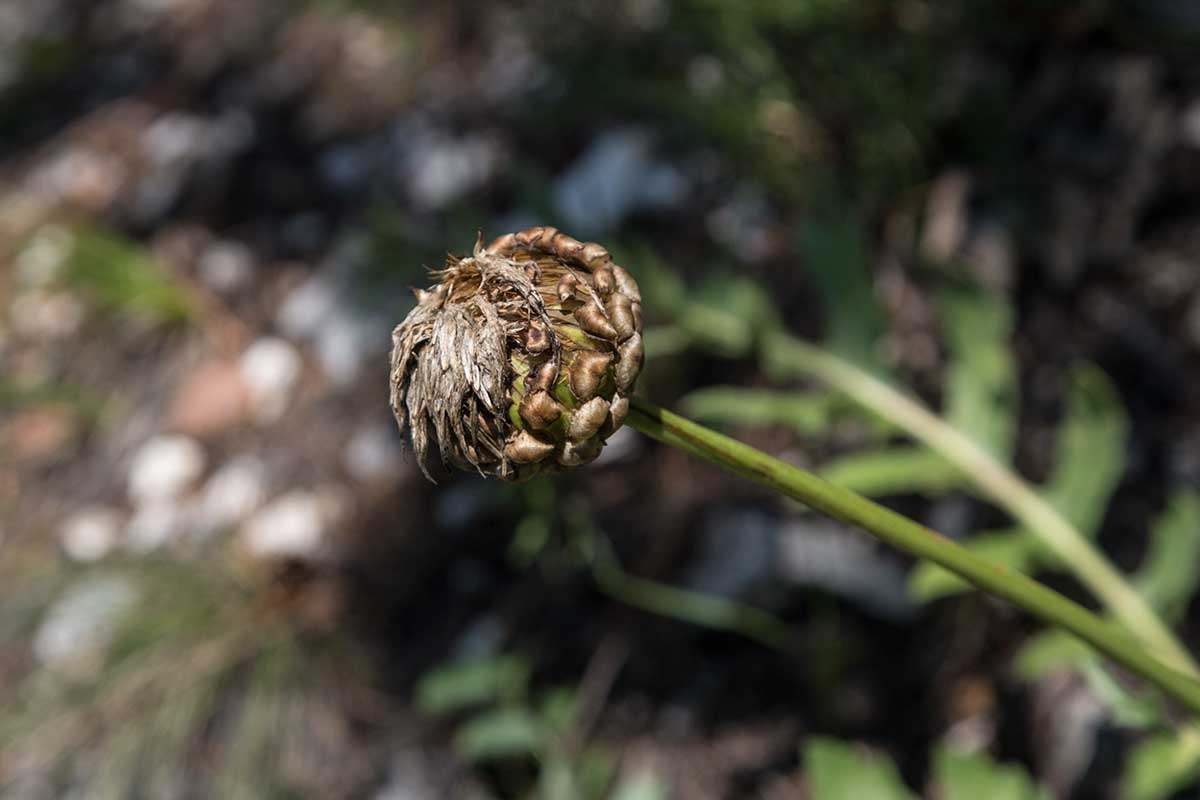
[
  {"x": 998, "y": 484},
  {"x": 900, "y": 532}
]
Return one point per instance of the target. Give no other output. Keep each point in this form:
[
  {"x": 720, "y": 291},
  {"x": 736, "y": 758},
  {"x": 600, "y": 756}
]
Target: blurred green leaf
[
  {"x": 123, "y": 276},
  {"x": 981, "y": 380},
  {"x": 1162, "y": 765},
  {"x": 646, "y": 786},
  {"x": 716, "y": 329},
  {"x": 807, "y": 413},
  {"x": 721, "y": 314},
  {"x": 558, "y": 709},
  {"x": 1049, "y": 650},
  {"x": 586, "y": 776},
  {"x": 743, "y": 298},
  {"x": 504, "y": 733},
  {"x": 1169, "y": 574},
  {"x": 1052, "y": 650},
  {"x": 1014, "y": 550},
  {"x": 893, "y": 470},
  {"x": 970, "y": 776},
  {"x": 835, "y": 259},
  {"x": 456, "y": 686},
  {"x": 839, "y": 771},
  {"x": 665, "y": 340},
  {"x": 1091, "y": 450}
]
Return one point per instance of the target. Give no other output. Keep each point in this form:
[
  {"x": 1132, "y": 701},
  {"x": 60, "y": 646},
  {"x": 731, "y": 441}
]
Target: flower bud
[{"x": 521, "y": 358}]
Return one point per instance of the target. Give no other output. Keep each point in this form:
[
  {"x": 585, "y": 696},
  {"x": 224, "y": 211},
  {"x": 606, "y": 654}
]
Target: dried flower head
[{"x": 521, "y": 359}]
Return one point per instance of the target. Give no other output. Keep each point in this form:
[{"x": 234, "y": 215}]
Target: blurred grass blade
[
  {"x": 460, "y": 685},
  {"x": 893, "y": 470},
  {"x": 981, "y": 380},
  {"x": 697, "y": 608},
  {"x": 1090, "y": 450},
  {"x": 807, "y": 413},
  {"x": 123, "y": 276},
  {"x": 503, "y": 733}
]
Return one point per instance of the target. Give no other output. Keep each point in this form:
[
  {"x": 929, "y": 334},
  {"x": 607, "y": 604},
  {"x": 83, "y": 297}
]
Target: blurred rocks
[
  {"x": 213, "y": 398},
  {"x": 616, "y": 176},
  {"x": 321, "y": 312},
  {"x": 90, "y": 534},
  {"x": 735, "y": 552},
  {"x": 269, "y": 369},
  {"x": 226, "y": 266},
  {"x": 833, "y": 558},
  {"x": 76, "y": 631},
  {"x": 155, "y": 525},
  {"x": 40, "y": 434},
  {"x": 164, "y": 467},
  {"x": 373, "y": 454},
  {"x": 40, "y": 262},
  {"x": 233, "y": 492},
  {"x": 45, "y": 315},
  {"x": 440, "y": 168},
  {"x": 294, "y": 526}
]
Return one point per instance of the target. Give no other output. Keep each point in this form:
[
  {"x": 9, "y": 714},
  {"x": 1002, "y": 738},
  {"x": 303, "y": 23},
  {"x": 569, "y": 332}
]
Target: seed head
[{"x": 521, "y": 358}]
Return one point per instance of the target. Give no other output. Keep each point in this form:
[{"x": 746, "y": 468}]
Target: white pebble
[
  {"x": 90, "y": 534},
  {"x": 154, "y": 525},
  {"x": 293, "y": 526},
  {"x": 164, "y": 467},
  {"x": 43, "y": 315},
  {"x": 80, "y": 625},
  {"x": 445, "y": 169},
  {"x": 373, "y": 454},
  {"x": 172, "y": 138},
  {"x": 270, "y": 368},
  {"x": 226, "y": 266},
  {"x": 305, "y": 309},
  {"x": 341, "y": 345},
  {"x": 232, "y": 493},
  {"x": 40, "y": 262}
]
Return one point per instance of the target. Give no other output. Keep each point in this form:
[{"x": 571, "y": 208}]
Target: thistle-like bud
[{"x": 522, "y": 357}]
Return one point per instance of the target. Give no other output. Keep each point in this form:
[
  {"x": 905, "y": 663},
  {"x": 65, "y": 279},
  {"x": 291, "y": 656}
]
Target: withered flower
[{"x": 521, "y": 359}]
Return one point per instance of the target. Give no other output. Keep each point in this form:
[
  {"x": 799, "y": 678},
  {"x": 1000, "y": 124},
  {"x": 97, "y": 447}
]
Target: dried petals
[{"x": 521, "y": 358}]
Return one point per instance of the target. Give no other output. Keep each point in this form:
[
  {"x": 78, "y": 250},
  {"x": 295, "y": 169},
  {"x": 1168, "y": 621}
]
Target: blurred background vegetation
[{"x": 221, "y": 575}]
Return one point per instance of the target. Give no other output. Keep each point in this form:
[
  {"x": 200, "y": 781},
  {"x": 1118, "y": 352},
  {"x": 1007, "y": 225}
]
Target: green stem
[
  {"x": 901, "y": 532},
  {"x": 997, "y": 483},
  {"x": 698, "y": 608}
]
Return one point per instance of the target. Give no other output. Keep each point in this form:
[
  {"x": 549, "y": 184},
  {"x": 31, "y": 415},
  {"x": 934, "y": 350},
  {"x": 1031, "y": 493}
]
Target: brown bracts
[{"x": 522, "y": 357}]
